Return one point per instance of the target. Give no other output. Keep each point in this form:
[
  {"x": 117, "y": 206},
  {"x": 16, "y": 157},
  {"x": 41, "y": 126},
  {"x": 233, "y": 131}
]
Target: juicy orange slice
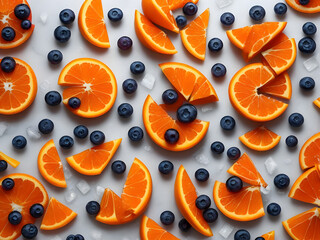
[
  {"x": 26, "y": 192},
  {"x": 238, "y": 37},
  {"x": 92, "y": 82},
  {"x": 194, "y": 35},
  {"x": 245, "y": 205},
  {"x": 14, "y": 163},
  {"x": 317, "y": 102},
  {"x": 185, "y": 195},
  {"x": 92, "y": 25},
  {"x": 312, "y": 7},
  {"x": 18, "y": 89},
  {"x": 310, "y": 152},
  {"x": 175, "y": 4},
  {"x": 277, "y": 40},
  {"x": 268, "y": 236},
  {"x": 279, "y": 87},
  {"x": 94, "y": 160},
  {"x": 151, "y": 36}
]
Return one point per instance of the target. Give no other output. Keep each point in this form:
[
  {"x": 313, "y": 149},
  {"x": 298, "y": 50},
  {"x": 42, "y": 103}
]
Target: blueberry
[
  {"x": 184, "y": 225},
  {"x": 259, "y": 238},
  {"x": 234, "y": 184},
  {"x": 74, "y": 102},
  {"x": 210, "y": 215},
  {"x": 25, "y": 24},
  {"x": 45, "y": 126},
  {"x": 55, "y": 57},
  {"x": 124, "y": 43},
  {"x": 307, "y": 83},
  {"x": 71, "y": 237},
  {"x": 181, "y": 21},
  {"x": 81, "y": 131},
  {"x": 202, "y": 175},
  {"x": 167, "y": 217},
  {"x": 217, "y": 147},
  {"x": 22, "y": 11},
  {"x": 8, "y": 64},
  {"x": 118, "y": 167},
  {"x": 218, "y": 70},
  {"x": 15, "y": 217},
  {"x": 169, "y": 96},
  {"x": 19, "y": 142},
  {"x": 190, "y": 9},
  {"x": 29, "y": 231},
  {"x": 296, "y": 120},
  {"x": 67, "y": 16},
  {"x": 309, "y": 28},
  {"x": 7, "y": 184},
  {"x": 215, "y": 45},
  {"x": 203, "y": 202},
  {"x": 227, "y": 123},
  {"x": 187, "y": 113},
  {"x": 291, "y": 141},
  {"x": 93, "y": 208},
  {"x": 129, "y": 86},
  {"x": 135, "y": 134},
  {"x": 3, "y": 165},
  {"x": 257, "y": 13},
  {"x": 62, "y": 34},
  {"x": 281, "y": 181},
  {"x": 242, "y": 234},
  {"x": 137, "y": 67},
  {"x": 97, "y": 137},
  {"x": 227, "y": 18},
  {"x": 165, "y": 167},
  {"x": 115, "y": 14},
  {"x": 125, "y": 110},
  {"x": 36, "y": 210},
  {"x": 274, "y": 209},
  {"x": 78, "y": 237},
  {"x": 307, "y": 45},
  {"x": 233, "y": 153},
  {"x": 304, "y": 2},
  {"x": 66, "y": 142},
  {"x": 171, "y": 136},
  {"x": 8, "y": 34},
  {"x": 53, "y": 98},
  {"x": 280, "y": 9}
]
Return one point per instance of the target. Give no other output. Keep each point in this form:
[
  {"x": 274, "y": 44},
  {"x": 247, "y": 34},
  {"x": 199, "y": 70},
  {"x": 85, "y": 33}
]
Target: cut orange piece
[
  {"x": 92, "y": 82},
  {"x": 92, "y": 25},
  {"x": 56, "y": 216},
  {"x": 268, "y": 236},
  {"x": 158, "y": 11},
  {"x": 8, "y": 19},
  {"x": 242, "y": 206},
  {"x": 260, "y": 139},
  {"x": 312, "y": 7},
  {"x": 317, "y": 102},
  {"x": 305, "y": 225},
  {"x": 238, "y": 37},
  {"x": 280, "y": 87},
  {"x": 245, "y": 97},
  {"x": 194, "y": 35},
  {"x": 185, "y": 195},
  {"x": 151, "y": 36},
  {"x": 14, "y": 163},
  {"x": 310, "y": 152},
  {"x": 150, "y": 230},
  {"x": 18, "y": 89},
  {"x": 175, "y": 4},
  {"x": 94, "y": 160},
  {"x": 157, "y": 121},
  {"x": 26, "y": 192},
  {"x": 277, "y": 40},
  {"x": 50, "y": 165},
  {"x": 245, "y": 169}
]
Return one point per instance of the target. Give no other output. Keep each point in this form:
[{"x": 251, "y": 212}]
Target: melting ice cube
[
  {"x": 147, "y": 148},
  {"x": 311, "y": 64},
  {"x": 223, "y": 3},
  {"x": 43, "y": 17},
  {"x": 202, "y": 159},
  {"x": 33, "y": 132},
  {"x": 45, "y": 86},
  {"x": 148, "y": 81},
  {"x": 83, "y": 187},
  {"x": 3, "y": 128},
  {"x": 67, "y": 173},
  {"x": 100, "y": 191},
  {"x": 70, "y": 195},
  {"x": 270, "y": 165},
  {"x": 265, "y": 191},
  {"x": 206, "y": 108},
  {"x": 226, "y": 230}
]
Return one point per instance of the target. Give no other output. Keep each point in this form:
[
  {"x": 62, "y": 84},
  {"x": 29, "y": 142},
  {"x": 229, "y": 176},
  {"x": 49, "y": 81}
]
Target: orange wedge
[
  {"x": 56, "y": 216},
  {"x": 92, "y": 25},
  {"x": 260, "y": 139},
  {"x": 238, "y": 37},
  {"x": 268, "y": 236},
  {"x": 194, "y": 35},
  {"x": 245, "y": 205},
  {"x": 18, "y": 89},
  {"x": 305, "y": 225},
  {"x": 317, "y": 102},
  {"x": 158, "y": 11},
  {"x": 312, "y": 7},
  {"x": 92, "y": 82},
  {"x": 175, "y": 4},
  {"x": 310, "y": 152},
  {"x": 279, "y": 87},
  {"x": 245, "y": 169},
  {"x": 14, "y": 163},
  {"x": 26, "y": 192},
  {"x": 277, "y": 40},
  {"x": 94, "y": 160},
  {"x": 185, "y": 195},
  {"x": 156, "y": 121},
  {"x": 151, "y": 36}
]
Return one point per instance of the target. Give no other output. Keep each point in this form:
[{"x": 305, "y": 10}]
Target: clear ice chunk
[
  {"x": 270, "y": 165},
  {"x": 266, "y": 190},
  {"x": 43, "y": 17},
  {"x": 148, "y": 81},
  {"x": 147, "y": 148},
  {"x": 67, "y": 173},
  {"x": 100, "y": 191},
  {"x": 83, "y": 187},
  {"x": 96, "y": 235},
  {"x": 223, "y": 3},
  {"x": 70, "y": 195},
  {"x": 201, "y": 158},
  {"x": 226, "y": 230},
  {"x": 311, "y": 64},
  {"x": 205, "y": 109},
  {"x": 45, "y": 86},
  {"x": 3, "y": 128},
  {"x": 33, "y": 133}
]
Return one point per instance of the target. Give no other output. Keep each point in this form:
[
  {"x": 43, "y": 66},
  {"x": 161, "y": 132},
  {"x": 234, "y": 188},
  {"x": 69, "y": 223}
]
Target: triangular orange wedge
[
  {"x": 14, "y": 163},
  {"x": 268, "y": 236},
  {"x": 238, "y": 37},
  {"x": 317, "y": 102},
  {"x": 312, "y": 7},
  {"x": 175, "y": 4},
  {"x": 277, "y": 40},
  {"x": 280, "y": 87},
  {"x": 309, "y": 154}
]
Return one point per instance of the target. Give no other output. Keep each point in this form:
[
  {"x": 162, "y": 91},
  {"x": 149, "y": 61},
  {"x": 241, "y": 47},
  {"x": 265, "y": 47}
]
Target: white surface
[{"x": 42, "y": 41}]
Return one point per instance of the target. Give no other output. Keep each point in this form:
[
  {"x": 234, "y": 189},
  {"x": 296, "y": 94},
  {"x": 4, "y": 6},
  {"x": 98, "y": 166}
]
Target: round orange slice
[
  {"x": 175, "y": 4},
  {"x": 92, "y": 82},
  {"x": 268, "y": 236},
  {"x": 14, "y": 163},
  {"x": 238, "y": 37},
  {"x": 310, "y": 152},
  {"x": 317, "y": 102},
  {"x": 312, "y": 7},
  {"x": 18, "y": 89}
]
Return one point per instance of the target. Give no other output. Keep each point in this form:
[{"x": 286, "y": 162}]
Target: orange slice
[
  {"x": 158, "y": 11},
  {"x": 185, "y": 195},
  {"x": 92, "y": 25},
  {"x": 310, "y": 152},
  {"x": 150, "y": 230},
  {"x": 175, "y": 4},
  {"x": 156, "y": 121},
  {"x": 151, "y": 36},
  {"x": 268, "y": 236},
  {"x": 260, "y": 139},
  {"x": 56, "y": 216},
  {"x": 26, "y": 192},
  {"x": 245, "y": 169},
  {"x": 194, "y": 35},
  {"x": 92, "y": 82},
  {"x": 50, "y": 165},
  {"x": 312, "y": 7},
  {"x": 245, "y": 97},
  {"x": 238, "y": 37},
  {"x": 94, "y": 160},
  {"x": 277, "y": 40},
  {"x": 8, "y": 19},
  {"x": 305, "y": 225},
  {"x": 18, "y": 89},
  {"x": 14, "y": 163},
  {"x": 245, "y": 205},
  {"x": 317, "y": 102}
]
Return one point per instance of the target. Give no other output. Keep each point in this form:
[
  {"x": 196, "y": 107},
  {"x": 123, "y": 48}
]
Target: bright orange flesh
[
  {"x": 175, "y": 4},
  {"x": 92, "y": 82},
  {"x": 277, "y": 40},
  {"x": 312, "y": 7},
  {"x": 317, "y": 102},
  {"x": 238, "y": 37},
  {"x": 268, "y": 236},
  {"x": 14, "y": 163},
  {"x": 185, "y": 195},
  {"x": 310, "y": 152},
  {"x": 280, "y": 87},
  {"x": 26, "y": 192}
]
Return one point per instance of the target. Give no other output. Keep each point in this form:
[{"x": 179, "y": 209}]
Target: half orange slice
[
  {"x": 312, "y": 7},
  {"x": 310, "y": 152}
]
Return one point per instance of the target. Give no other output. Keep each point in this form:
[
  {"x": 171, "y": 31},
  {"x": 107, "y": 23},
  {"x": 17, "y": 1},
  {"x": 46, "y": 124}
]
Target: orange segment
[
  {"x": 18, "y": 89},
  {"x": 14, "y": 163},
  {"x": 280, "y": 87},
  {"x": 57, "y": 215},
  {"x": 317, "y": 102},
  {"x": 277, "y": 40},
  {"x": 151, "y": 36},
  {"x": 175, "y": 4},
  {"x": 194, "y": 35},
  {"x": 26, "y": 192},
  {"x": 92, "y": 25},
  {"x": 310, "y": 152},
  {"x": 238, "y": 37},
  {"x": 185, "y": 195},
  {"x": 312, "y": 7},
  {"x": 92, "y": 82},
  {"x": 268, "y": 236},
  {"x": 94, "y": 160}
]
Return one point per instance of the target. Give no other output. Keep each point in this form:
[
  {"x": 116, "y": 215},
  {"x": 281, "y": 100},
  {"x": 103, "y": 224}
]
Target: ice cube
[
  {"x": 147, "y": 148},
  {"x": 43, "y": 17},
  {"x": 96, "y": 235},
  {"x": 67, "y": 173},
  {"x": 311, "y": 64},
  {"x": 226, "y": 230},
  {"x": 3, "y": 128},
  {"x": 45, "y": 86},
  {"x": 266, "y": 190},
  {"x": 70, "y": 195},
  {"x": 83, "y": 187},
  {"x": 148, "y": 81},
  {"x": 201, "y": 158},
  {"x": 206, "y": 109},
  {"x": 99, "y": 191},
  {"x": 223, "y": 3},
  {"x": 270, "y": 165},
  {"x": 33, "y": 133}
]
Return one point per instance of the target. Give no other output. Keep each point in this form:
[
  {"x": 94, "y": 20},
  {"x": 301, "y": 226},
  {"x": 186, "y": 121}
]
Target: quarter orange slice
[
  {"x": 268, "y": 236},
  {"x": 242, "y": 206},
  {"x": 14, "y": 163},
  {"x": 94, "y": 160},
  {"x": 312, "y": 7},
  {"x": 92, "y": 25},
  {"x": 310, "y": 152},
  {"x": 194, "y": 35},
  {"x": 175, "y": 4},
  {"x": 92, "y": 82},
  {"x": 26, "y": 192},
  {"x": 50, "y": 165},
  {"x": 317, "y": 102},
  {"x": 185, "y": 195},
  {"x": 18, "y": 89},
  {"x": 238, "y": 37}
]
